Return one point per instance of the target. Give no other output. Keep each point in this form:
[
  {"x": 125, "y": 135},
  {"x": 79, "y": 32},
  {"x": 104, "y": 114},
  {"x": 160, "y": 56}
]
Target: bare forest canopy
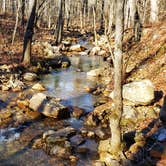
[{"x": 80, "y": 13}]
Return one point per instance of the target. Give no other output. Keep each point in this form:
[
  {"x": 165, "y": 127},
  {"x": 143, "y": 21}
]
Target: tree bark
[
  {"x": 22, "y": 12},
  {"x": 102, "y": 16},
  {"x": 28, "y": 36},
  {"x": 60, "y": 22},
  {"x": 154, "y": 10},
  {"x": 115, "y": 119},
  {"x": 132, "y": 11},
  {"x": 111, "y": 15},
  {"x": 4, "y": 6},
  {"x": 16, "y": 24}
]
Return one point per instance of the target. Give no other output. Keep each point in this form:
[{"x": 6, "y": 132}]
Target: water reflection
[
  {"x": 85, "y": 63},
  {"x": 70, "y": 85}
]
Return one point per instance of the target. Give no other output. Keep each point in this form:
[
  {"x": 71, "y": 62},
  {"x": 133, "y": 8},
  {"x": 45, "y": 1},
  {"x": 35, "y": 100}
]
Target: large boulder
[
  {"x": 37, "y": 101},
  {"x": 55, "y": 110},
  {"x": 138, "y": 92},
  {"x": 48, "y": 107}
]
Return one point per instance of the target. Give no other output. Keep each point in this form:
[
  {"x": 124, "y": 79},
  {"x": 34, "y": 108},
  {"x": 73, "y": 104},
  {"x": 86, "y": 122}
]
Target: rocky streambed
[
  {"x": 31, "y": 135},
  {"x": 61, "y": 117}
]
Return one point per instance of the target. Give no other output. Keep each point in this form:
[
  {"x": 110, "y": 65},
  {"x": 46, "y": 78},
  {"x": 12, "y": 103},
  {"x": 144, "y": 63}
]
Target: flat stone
[
  {"x": 38, "y": 87},
  {"x": 48, "y": 107},
  {"x": 77, "y": 48},
  {"x": 95, "y": 72},
  {"x": 76, "y": 140},
  {"x": 30, "y": 76},
  {"x": 59, "y": 151},
  {"x": 64, "y": 132},
  {"x": 55, "y": 110},
  {"x": 47, "y": 133}
]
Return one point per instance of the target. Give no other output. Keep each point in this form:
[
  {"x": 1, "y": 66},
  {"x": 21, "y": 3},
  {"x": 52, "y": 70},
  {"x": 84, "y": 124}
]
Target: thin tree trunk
[
  {"x": 132, "y": 4},
  {"x": 81, "y": 17},
  {"x": 16, "y": 24},
  {"x": 115, "y": 119},
  {"x": 111, "y": 15},
  {"x": 60, "y": 22},
  {"x": 102, "y": 16},
  {"x": 67, "y": 6},
  {"x": 22, "y": 13},
  {"x": 144, "y": 13},
  {"x": 28, "y": 36},
  {"x": 154, "y": 10},
  {"x": 127, "y": 14},
  {"x": 94, "y": 24},
  {"x": 3, "y": 6}
]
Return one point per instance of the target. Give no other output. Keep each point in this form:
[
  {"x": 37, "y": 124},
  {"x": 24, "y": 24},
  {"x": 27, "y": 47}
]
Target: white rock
[
  {"x": 76, "y": 47},
  {"x": 30, "y": 76},
  {"x": 95, "y": 72},
  {"x": 138, "y": 92},
  {"x": 37, "y": 101},
  {"x": 38, "y": 87},
  {"x": 83, "y": 53}
]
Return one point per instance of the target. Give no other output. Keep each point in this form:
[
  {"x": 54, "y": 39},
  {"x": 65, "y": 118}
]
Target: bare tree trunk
[
  {"x": 102, "y": 16},
  {"x": 94, "y": 23},
  {"x": 30, "y": 5},
  {"x": 16, "y": 24},
  {"x": 4, "y": 6},
  {"x": 145, "y": 11},
  {"x": 116, "y": 140},
  {"x": 127, "y": 14},
  {"x": 60, "y": 22},
  {"x": 22, "y": 12},
  {"x": 137, "y": 28},
  {"x": 13, "y": 6},
  {"x": 132, "y": 4},
  {"x": 28, "y": 36},
  {"x": 111, "y": 15},
  {"x": 81, "y": 17},
  {"x": 154, "y": 10},
  {"x": 67, "y": 6}
]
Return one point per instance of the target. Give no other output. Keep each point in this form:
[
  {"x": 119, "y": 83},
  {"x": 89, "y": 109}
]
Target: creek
[{"x": 69, "y": 85}]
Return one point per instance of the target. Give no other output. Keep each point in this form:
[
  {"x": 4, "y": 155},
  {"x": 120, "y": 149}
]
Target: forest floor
[{"x": 145, "y": 59}]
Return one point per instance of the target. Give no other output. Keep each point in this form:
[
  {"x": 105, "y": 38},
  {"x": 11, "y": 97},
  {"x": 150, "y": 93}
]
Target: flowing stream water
[{"x": 67, "y": 84}]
